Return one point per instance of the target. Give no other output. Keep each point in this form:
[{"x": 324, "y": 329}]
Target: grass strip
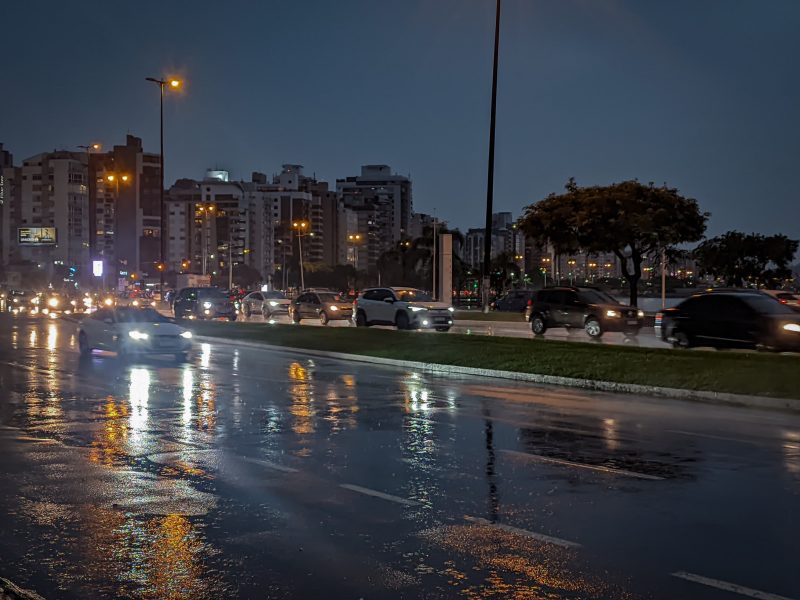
[{"x": 734, "y": 372}]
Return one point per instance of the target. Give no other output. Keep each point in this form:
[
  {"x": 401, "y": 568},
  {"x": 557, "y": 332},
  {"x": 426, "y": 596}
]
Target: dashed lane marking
[
  {"x": 541, "y": 537},
  {"x": 377, "y": 494},
  {"x": 268, "y": 464},
  {"x": 569, "y": 463},
  {"x": 728, "y": 587}
]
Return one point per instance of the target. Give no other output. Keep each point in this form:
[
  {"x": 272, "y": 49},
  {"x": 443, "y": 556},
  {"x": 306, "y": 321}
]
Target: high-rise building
[
  {"x": 125, "y": 211},
  {"x": 506, "y": 238},
  {"x": 383, "y": 207},
  {"x": 46, "y": 212},
  {"x": 6, "y": 162}
]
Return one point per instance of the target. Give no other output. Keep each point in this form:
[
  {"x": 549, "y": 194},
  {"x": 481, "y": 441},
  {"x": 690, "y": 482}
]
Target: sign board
[
  {"x": 97, "y": 268},
  {"x": 36, "y": 236}
]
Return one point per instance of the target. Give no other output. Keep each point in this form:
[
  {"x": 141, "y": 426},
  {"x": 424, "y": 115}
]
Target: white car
[
  {"x": 405, "y": 308},
  {"x": 133, "y": 331},
  {"x": 266, "y": 304}
]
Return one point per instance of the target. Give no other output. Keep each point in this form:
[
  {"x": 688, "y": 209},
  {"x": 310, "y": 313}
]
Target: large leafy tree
[
  {"x": 747, "y": 257},
  {"x": 630, "y": 219}
]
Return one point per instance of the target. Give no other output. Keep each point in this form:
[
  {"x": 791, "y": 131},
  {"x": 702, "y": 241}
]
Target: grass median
[{"x": 735, "y": 372}]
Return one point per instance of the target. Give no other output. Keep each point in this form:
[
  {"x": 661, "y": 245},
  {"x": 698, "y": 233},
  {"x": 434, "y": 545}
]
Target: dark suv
[
  {"x": 589, "y": 309},
  {"x": 730, "y": 319},
  {"x": 203, "y": 303},
  {"x": 514, "y": 301}
]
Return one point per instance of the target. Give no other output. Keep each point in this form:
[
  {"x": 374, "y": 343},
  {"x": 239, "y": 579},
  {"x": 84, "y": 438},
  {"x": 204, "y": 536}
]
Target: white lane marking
[
  {"x": 713, "y": 437},
  {"x": 728, "y": 587},
  {"x": 541, "y": 537},
  {"x": 377, "y": 494},
  {"x": 568, "y": 463},
  {"x": 268, "y": 464}
]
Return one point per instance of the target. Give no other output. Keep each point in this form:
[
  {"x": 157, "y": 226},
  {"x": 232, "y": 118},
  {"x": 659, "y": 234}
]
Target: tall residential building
[
  {"x": 125, "y": 211},
  {"x": 6, "y": 162},
  {"x": 46, "y": 211},
  {"x": 380, "y": 204},
  {"x": 506, "y": 238}
]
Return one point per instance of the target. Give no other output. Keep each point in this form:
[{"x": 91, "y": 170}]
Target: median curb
[{"x": 723, "y": 398}]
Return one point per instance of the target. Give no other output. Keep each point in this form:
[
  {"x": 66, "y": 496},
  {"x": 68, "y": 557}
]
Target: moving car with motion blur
[
  {"x": 405, "y": 308},
  {"x": 51, "y": 304},
  {"x": 513, "y": 301},
  {"x": 17, "y": 301},
  {"x": 730, "y": 319},
  {"x": 324, "y": 305},
  {"x": 266, "y": 304},
  {"x": 790, "y": 299},
  {"x": 589, "y": 309},
  {"x": 203, "y": 303},
  {"x": 130, "y": 331}
]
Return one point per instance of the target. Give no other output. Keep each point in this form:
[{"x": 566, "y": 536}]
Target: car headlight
[
  {"x": 451, "y": 309},
  {"x": 207, "y": 304},
  {"x": 612, "y": 314},
  {"x": 33, "y": 300},
  {"x": 417, "y": 308},
  {"x": 334, "y": 308},
  {"x": 73, "y": 302},
  {"x": 108, "y": 301},
  {"x": 186, "y": 335},
  {"x": 792, "y": 327},
  {"x": 273, "y": 303},
  {"x": 16, "y": 300},
  {"x": 640, "y": 314},
  {"x": 52, "y": 303},
  {"x": 138, "y": 335},
  {"x": 135, "y": 303}
]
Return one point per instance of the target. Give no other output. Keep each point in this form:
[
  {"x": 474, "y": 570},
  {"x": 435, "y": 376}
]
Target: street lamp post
[
  {"x": 205, "y": 211},
  {"x": 300, "y": 227},
  {"x": 487, "y": 234},
  {"x": 174, "y": 84},
  {"x": 355, "y": 241}
]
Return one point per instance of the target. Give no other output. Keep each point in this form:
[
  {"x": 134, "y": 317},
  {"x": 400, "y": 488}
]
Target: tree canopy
[
  {"x": 630, "y": 219},
  {"x": 739, "y": 258}
]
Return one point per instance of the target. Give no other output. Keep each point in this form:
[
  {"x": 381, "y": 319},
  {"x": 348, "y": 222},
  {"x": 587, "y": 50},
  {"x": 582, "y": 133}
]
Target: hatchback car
[
  {"x": 589, "y": 309},
  {"x": 323, "y": 305},
  {"x": 133, "y": 331},
  {"x": 266, "y": 304},
  {"x": 513, "y": 301},
  {"x": 405, "y": 308},
  {"x": 741, "y": 319},
  {"x": 203, "y": 303}
]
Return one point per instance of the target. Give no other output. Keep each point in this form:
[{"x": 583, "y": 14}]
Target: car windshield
[
  {"x": 274, "y": 296},
  {"x": 413, "y": 296},
  {"x": 330, "y": 297},
  {"x": 596, "y": 297},
  {"x": 211, "y": 294},
  {"x": 140, "y": 315},
  {"x": 767, "y": 306}
]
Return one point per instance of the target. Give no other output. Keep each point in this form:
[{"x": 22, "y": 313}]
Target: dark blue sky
[{"x": 704, "y": 95}]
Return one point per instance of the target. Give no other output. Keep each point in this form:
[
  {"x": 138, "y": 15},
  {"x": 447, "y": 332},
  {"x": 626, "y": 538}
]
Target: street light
[
  {"x": 355, "y": 241},
  {"x": 300, "y": 227},
  {"x": 173, "y": 84},
  {"x": 206, "y": 211}
]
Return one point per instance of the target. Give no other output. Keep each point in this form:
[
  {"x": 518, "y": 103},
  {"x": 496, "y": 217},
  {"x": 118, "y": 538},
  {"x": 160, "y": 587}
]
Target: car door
[
  {"x": 256, "y": 302},
  {"x": 105, "y": 332},
  {"x": 91, "y": 327},
  {"x": 311, "y": 306},
  {"x": 387, "y": 305},
  {"x": 733, "y": 321},
  {"x": 571, "y": 308}
]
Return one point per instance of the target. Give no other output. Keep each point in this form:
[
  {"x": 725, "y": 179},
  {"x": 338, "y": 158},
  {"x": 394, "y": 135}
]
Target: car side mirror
[{"x": 389, "y": 300}]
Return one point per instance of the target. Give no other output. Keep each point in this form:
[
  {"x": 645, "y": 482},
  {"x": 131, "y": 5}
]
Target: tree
[
  {"x": 630, "y": 219},
  {"x": 245, "y": 276},
  {"x": 503, "y": 272},
  {"x": 738, "y": 258}
]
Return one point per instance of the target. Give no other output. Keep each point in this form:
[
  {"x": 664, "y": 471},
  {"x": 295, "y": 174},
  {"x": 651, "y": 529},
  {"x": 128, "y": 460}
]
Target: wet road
[{"x": 264, "y": 474}]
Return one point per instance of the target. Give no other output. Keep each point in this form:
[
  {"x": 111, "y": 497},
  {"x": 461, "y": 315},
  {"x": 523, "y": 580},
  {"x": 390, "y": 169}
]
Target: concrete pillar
[{"x": 445, "y": 268}]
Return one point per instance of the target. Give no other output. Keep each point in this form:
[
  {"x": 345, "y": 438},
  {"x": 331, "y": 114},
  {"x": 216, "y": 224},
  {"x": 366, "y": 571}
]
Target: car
[
  {"x": 513, "y": 301},
  {"x": 405, "y": 308},
  {"x": 730, "y": 319},
  {"x": 326, "y": 306},
  {"x": 790, "y": 299},
  {"x": 203, "y": 303},
  {"x": 50, "y": 304},
  {"x": 585, "y": 308},
  {"x": 266, "y": 304},
  {"x": 18, "y": 301},
  {"x": 130, "y": 331}
]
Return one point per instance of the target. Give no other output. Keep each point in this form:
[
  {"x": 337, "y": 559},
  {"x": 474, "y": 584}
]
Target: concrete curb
[
  {"x": 727, "y": 399},
  {"x": 10, "y": 591}
]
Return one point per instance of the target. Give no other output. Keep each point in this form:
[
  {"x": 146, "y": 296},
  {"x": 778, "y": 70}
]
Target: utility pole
[
  {"x": 433, "y": 289},
  {"x": 663, "y": 278},
  {"x": 487, "y": 236}
]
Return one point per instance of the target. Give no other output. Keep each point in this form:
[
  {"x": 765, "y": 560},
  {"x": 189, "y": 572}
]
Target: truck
[{"x": 185, "y": 280}]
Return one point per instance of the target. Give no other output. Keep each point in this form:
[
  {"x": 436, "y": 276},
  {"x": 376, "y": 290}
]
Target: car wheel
[
  {"x": 361, "y": 319},
  {"x": 538, "y": 326},
  {"x": 593, "y": 327},
  {"x": 83, "y": 344},
  {"x": 681, "y": 340},
  {"x": 232, "y": 318},
  {"x": 295, "y": 317},
  {"x": 323, "y": 318},
  {"x": 248, "y": 312},
  {"x": 401, "y": 321},
  {"x": 266, "y": 315}
]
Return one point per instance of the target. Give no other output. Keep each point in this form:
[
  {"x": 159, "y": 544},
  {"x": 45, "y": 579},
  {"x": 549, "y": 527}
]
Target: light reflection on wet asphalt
[{"x": 256, "y": 474}]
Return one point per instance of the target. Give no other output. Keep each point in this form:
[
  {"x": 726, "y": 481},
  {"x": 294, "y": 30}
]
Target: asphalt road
[{"x": 264, "y": 474}]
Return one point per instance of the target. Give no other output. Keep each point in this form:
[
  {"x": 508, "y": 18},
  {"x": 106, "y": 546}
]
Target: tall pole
[
  {"x": 300, "y": 248},
  {"x": 433, "y": 289},
  {"x": 230, "y": 265},
  {"x": 162, "y": 265},
  {"x": 487, "y": 236},
  {"x": 663, "y": 278}
]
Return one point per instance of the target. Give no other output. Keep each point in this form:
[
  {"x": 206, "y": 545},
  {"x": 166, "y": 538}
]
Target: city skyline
[{"x": 673, "y": 96}]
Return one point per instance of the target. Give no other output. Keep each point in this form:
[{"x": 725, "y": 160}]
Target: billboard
[{"x": 36, "y": 236}]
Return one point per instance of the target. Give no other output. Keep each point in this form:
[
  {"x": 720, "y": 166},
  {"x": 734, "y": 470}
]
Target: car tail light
[
  {"x": 530, "y": 301},
  {"x": 659, "y": 318},
  {"x": 783, "y": 301}
]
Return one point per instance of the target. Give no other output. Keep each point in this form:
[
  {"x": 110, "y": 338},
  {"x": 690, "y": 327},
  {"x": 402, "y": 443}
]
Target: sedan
[
  {"x": 325, "y": 306},
  {"x": 133, "y": 331}
]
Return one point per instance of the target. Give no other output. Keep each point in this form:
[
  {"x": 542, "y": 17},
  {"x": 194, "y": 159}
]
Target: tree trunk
[{"x": 631, "y": 277}]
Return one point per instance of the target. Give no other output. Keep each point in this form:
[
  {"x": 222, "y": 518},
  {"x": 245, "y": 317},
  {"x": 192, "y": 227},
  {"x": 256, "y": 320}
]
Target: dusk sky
[{"x": 703, "y": 95}]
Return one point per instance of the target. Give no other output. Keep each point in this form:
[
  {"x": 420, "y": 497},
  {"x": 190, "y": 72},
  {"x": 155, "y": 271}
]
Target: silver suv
[{"x": 405, "y": 308}]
